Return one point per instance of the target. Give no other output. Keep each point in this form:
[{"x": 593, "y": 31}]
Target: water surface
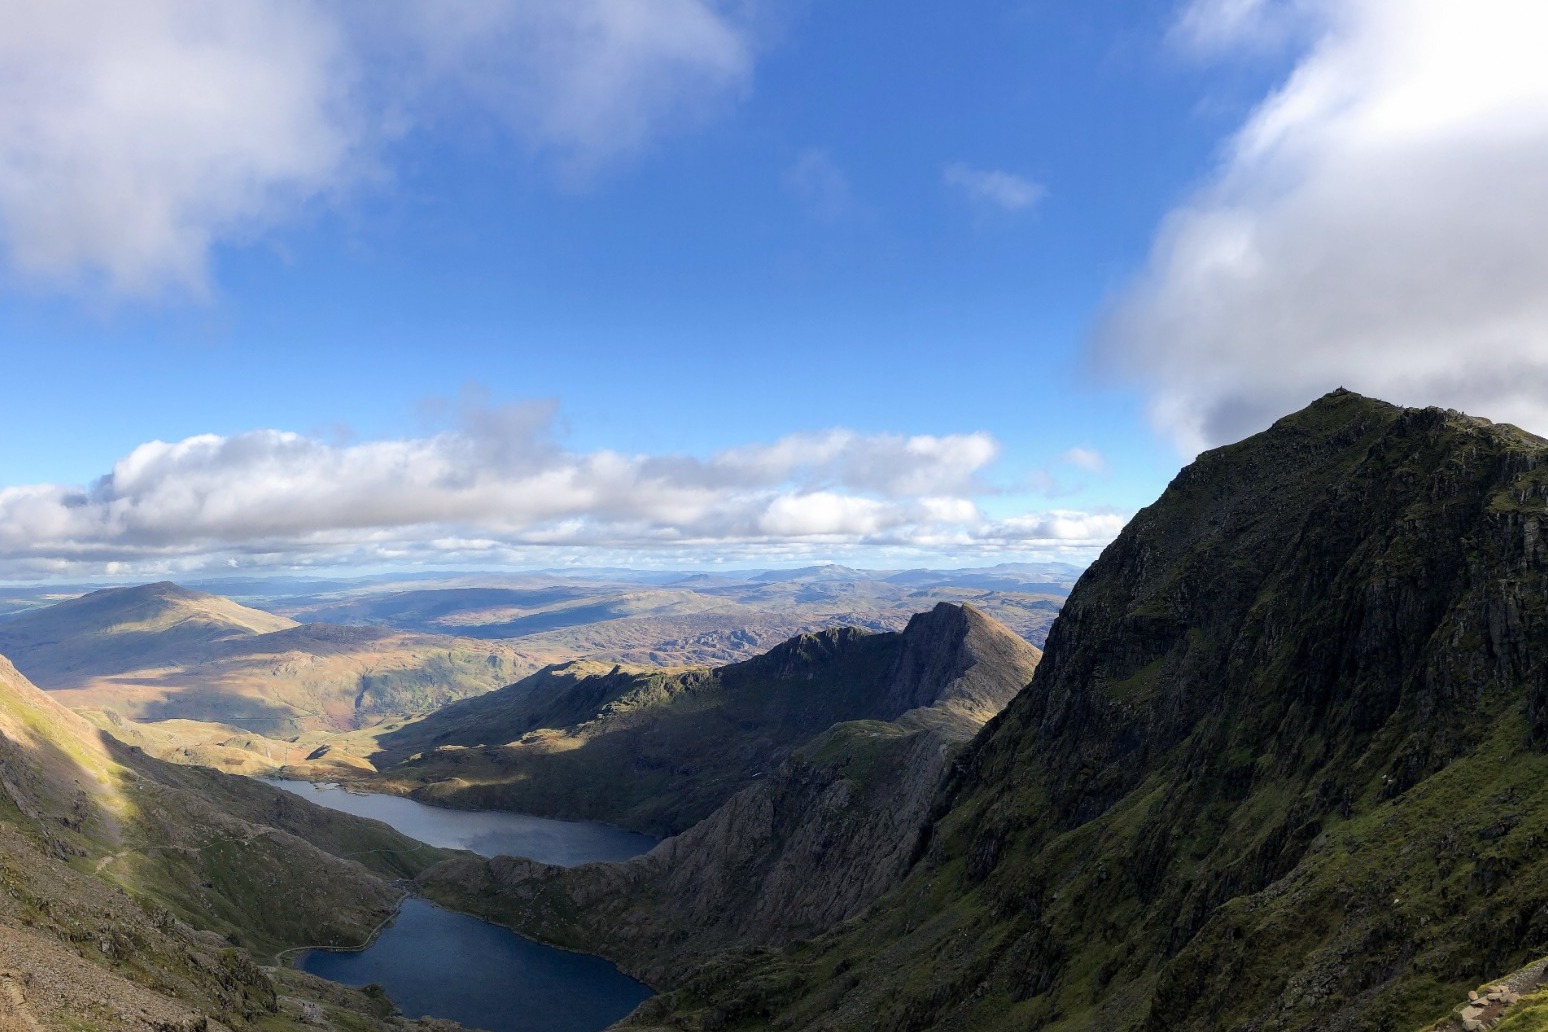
[
  {"x": 486, "y": 832},
  {"x": 436, "y": 962}
]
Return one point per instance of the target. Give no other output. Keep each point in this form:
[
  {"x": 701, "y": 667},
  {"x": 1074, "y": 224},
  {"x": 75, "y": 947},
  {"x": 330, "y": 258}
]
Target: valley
[{"x": 1280, "y": 767}]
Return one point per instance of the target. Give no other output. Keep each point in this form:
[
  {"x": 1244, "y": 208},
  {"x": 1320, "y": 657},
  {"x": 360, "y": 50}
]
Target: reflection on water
[
  {"x": 487, "y": 832},
  {"x": 435, "y": 962}
]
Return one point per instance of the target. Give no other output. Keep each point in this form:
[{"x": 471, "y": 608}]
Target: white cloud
[
  {"x": 500, "y": 487},
  {"x": 590, "y": 79},
  {"x": 1088, "y": 459},
  {"x": 1217, "y": 26},
  {"x": 820, "y": 185},
  {"x": 134, "y": 138},
  {"x": 1376, "y": 224},
  {"x": 132, "y": 135},
  {"x": 993, "y": 187}
]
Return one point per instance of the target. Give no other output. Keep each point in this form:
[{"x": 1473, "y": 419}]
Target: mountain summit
[{"x": 1282, "y": 765}]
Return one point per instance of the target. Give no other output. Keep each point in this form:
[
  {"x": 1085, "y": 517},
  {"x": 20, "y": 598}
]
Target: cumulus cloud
[
  {"x": 500, "y": 487},
  {"x": 1375, "y": 224},
  {"x": 132, "y": 135},
  {"x": 135, "y": 137},
  {"x": 994, "y": 188}
]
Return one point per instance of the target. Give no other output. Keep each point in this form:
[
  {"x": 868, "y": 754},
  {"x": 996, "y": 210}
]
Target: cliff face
[
  {"x": 803, "y": 848},
  {"x": 1280, "y": 768},
  {"x": 660, "y": 751}
]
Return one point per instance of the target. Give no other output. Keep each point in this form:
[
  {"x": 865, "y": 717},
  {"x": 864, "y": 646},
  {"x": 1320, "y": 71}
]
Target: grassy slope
[
  {"x": 655, "y": 752},
  {"x": 116, "y": 858},
  {"x": 1279, "y": 769}
]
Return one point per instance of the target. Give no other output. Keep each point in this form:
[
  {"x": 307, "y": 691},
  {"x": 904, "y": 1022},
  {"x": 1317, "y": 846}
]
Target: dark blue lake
[
  {"x": 486, "y": 832},
  {"x": 435, "y": 962}
]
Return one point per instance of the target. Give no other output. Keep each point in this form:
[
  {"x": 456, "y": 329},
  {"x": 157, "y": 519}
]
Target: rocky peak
[{"x": 956, "y": 654}]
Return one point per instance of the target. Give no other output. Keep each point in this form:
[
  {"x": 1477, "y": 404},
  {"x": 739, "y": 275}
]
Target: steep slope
[
  {"x": 799, "y": 850},
  {"x": 658, "y": 751},
  {"x": 159, "y": 652},
  {"x": 1281, "y": 767},
  {"x": 111, "y": 860}
]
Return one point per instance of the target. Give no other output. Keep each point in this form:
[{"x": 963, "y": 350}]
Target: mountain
[
  {"x": 137, "y": 894},
  {"x": 803, "y": 847},
  {"x": 698, "y": 620},
  {"x": 159, "y": 651},
  {"x": 657, "y": 751},
  {"x": 108, "y": 631},
  {"x": 1282, "y": 766}
]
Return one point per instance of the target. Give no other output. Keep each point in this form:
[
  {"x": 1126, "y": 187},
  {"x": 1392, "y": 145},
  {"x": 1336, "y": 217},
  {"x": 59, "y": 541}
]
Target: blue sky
[{"x": 683, "y": 282}]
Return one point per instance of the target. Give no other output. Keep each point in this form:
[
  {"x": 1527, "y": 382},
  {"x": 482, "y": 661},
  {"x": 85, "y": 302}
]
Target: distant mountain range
[
  {"x": 349, "y": 655},
  {"x": 160, "y": 651}
]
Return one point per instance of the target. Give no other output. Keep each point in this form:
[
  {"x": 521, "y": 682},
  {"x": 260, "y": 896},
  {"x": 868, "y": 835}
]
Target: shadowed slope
[
  {"x": 803, "y": 847},
  {"x": 658, "y": 751},
  {"x": 1281, "y": 767}
]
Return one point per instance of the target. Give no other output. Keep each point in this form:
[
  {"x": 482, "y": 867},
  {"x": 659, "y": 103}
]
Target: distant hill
[
  {"x": 671, "y": 620},
  {"x": 159, "y": 651},
  {"x": 657, "y": 751},
  {"x": 143, "y": 627}
]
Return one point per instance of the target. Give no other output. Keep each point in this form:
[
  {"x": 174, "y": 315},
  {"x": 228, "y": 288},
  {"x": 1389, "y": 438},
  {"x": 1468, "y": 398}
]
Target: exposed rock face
[
  {"x": 796, "y": 854},
  {"x": 659, "y": 751},
  {"x": 1281, "y": 768},
  {"x": 802, "y": 849}
]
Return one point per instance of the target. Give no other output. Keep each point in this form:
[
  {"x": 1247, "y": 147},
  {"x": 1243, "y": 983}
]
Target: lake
[
  {"x": 486, "y": 832},
  {"x": 436, "y": 962}
]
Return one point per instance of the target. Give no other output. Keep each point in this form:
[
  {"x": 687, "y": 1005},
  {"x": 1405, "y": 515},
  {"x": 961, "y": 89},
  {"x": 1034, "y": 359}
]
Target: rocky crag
[
  {"x": 1282, "y": 766},
  {"x": 659, "y": 751},
  {"x": 802, "y": 848}
]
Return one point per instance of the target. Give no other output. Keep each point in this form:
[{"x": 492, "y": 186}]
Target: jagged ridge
[{"x": 658, "y": 751}]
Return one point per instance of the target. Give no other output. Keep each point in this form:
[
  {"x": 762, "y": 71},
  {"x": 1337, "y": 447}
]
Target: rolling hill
[{"x": 159, "y": 651}]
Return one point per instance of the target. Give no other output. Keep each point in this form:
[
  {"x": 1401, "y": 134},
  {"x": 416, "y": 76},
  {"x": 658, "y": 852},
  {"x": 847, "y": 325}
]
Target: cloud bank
[
  {"x": 1375, "y": 224},
  {"x": 135, "y": 137},
  {"x": 500, "y": 490}
]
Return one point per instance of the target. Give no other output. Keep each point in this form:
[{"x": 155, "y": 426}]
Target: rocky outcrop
[
  {"x": 658, "y": 751},
  {"x": 1281, "y": 767},
  {"x": 801, "y": 851},
  {"x": 803, "y": 847}
]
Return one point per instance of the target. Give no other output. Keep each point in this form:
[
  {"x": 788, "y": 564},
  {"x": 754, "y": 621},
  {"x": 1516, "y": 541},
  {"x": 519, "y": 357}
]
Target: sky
[{"x": 306, "y": 285}]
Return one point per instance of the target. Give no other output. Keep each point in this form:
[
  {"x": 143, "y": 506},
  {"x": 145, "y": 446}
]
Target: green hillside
[
  {"x": 1282, "y": 766},
  {"x": 140, "y": 896}
]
